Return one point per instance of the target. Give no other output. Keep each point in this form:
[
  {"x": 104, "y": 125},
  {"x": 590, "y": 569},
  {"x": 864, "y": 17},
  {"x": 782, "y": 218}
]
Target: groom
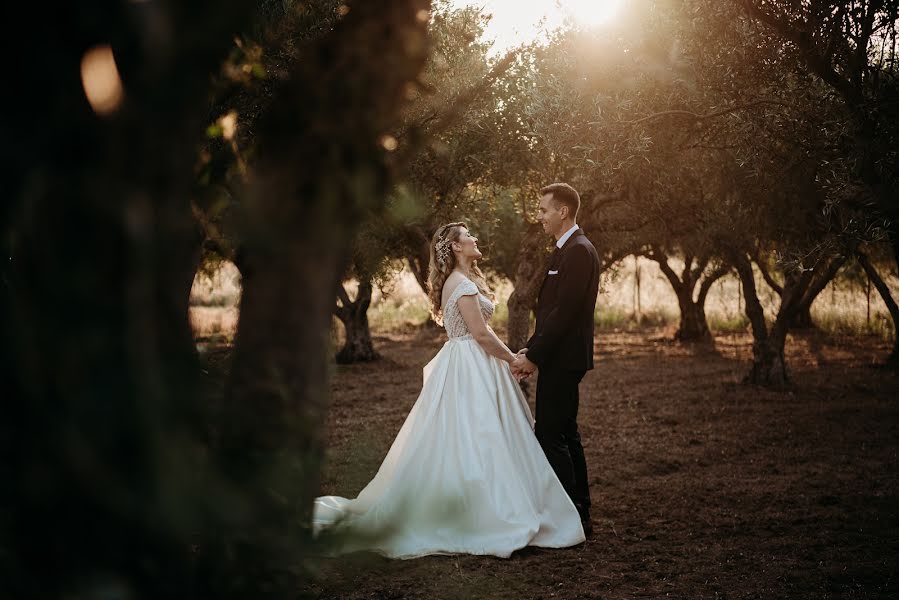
[{"x": 562, "y": 344}]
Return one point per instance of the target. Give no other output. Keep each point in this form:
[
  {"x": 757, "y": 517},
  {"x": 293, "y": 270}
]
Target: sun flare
[
  {"x": 591, "y": 12},
  {"x": 516, "y": 22}
]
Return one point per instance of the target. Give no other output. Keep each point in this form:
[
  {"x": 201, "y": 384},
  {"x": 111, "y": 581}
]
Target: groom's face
[{"x": 549, "y": 214}]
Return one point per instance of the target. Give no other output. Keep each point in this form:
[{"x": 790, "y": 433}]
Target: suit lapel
[
  {"x": 557, "y": 257},
  {"x": 568, "y": 242}
]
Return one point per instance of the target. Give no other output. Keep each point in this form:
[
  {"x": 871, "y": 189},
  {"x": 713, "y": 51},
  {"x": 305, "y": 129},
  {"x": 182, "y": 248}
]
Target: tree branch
[
  {"x": 662, "y": 259},
  {"x": 823, "y": 277},
  {"x": 881, "y": 286},
  {"x": 818, "y": 64},
  {"x": 767, "y": 276},
  {"x": 754, "y": 310},
  {"x": 696, "y": 272},
  {"x": 341, "y": 311},
  {"x": 710, "y": 279},
  {"x": 700, "y": 117},
  {"x": 456, "y": 108}
]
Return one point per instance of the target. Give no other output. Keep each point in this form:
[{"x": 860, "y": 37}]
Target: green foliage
[
  {"x": 495, "y": 216},
  {"x": 463, "y": 171}
]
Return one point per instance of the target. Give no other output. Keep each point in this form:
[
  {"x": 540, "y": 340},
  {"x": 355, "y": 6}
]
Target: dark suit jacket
[{"x": 563, "y": 338}]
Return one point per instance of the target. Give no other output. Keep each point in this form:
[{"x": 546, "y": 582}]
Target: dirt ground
[{"x": 702, "y": 487}]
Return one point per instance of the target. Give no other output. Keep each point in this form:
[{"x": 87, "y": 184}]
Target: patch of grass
[
  {"x": 728, "y": 324},
  {"x": 840, "y": 310},
  {"x": 211, "y": 322},
  {"x": 840, "y": 322},
  {"x": 398, "y": 313},
  {"x": 616, "y": 318}
]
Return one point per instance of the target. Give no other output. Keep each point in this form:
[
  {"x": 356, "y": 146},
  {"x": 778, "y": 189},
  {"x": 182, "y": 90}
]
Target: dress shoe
[{"x": 587, "y": 524}]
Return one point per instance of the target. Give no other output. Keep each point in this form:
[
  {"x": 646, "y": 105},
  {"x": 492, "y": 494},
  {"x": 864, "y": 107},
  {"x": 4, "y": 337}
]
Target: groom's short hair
[{"x": 563, "y": 193}]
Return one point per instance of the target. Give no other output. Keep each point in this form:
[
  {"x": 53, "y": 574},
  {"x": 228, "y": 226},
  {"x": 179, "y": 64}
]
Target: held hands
[{"x": 521, "y": 367}]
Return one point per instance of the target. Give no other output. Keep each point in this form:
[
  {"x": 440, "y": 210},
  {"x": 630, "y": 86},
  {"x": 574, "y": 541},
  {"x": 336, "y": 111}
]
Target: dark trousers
[{"x": 557, "y": 432}]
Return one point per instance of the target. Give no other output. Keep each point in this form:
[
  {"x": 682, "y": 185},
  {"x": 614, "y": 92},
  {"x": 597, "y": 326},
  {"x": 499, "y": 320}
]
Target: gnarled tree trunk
[
  {"x": 104, "y": 404},
  {"x": 358, "y": 346},
  {"x": 769, "y": 366},
  {"x": 532, "y": 264},
  {"x": 419, "y": 256},
  {"x": 693, "y": 326},
  {"x": 419, "y": 262},
  {"x": 320, "y": 167},
  {"x": 803, "y": 317}
]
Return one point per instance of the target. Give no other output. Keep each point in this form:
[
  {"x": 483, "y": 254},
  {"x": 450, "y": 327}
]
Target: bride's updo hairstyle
[{"x": 443, "y": 261}]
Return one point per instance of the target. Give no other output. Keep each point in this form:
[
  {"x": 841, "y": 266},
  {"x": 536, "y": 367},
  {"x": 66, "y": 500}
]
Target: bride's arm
[{"x": 474, "y": 320}]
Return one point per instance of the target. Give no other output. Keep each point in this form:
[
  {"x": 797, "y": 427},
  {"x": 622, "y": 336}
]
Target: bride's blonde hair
[{"x": 443, "y": 261}]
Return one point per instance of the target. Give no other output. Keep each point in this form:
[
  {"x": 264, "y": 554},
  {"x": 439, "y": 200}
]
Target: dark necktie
[{"x": 554, "y": 258}]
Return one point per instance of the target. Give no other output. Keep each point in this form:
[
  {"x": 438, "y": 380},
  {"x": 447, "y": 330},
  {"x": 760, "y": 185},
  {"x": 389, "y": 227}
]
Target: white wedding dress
[{"x": 465, "y": 474}]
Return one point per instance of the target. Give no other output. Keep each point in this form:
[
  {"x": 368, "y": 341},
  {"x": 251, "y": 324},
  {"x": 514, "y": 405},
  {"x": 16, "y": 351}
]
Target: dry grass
[
  {"x": 841, "y": 309},
  {"x": 215, "y": 323}
]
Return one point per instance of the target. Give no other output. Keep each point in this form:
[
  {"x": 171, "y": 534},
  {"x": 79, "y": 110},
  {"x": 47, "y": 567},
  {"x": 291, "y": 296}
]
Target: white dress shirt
[{"x": 566, "y": 235}]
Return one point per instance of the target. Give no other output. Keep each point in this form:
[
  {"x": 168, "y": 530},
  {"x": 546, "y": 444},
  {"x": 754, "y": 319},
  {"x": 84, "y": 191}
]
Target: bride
[{"x": 465, "y": 474}]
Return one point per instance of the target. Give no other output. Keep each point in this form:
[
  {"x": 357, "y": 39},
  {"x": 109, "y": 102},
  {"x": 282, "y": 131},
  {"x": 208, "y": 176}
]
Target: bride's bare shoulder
[{"x": 454, "y": 280}]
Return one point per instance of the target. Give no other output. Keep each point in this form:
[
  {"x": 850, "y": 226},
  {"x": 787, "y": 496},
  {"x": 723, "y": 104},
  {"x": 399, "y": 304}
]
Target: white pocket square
[{"x": 553, "y": 273}]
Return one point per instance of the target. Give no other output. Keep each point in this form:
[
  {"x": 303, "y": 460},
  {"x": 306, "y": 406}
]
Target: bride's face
[{"x": 467, "y": 246}]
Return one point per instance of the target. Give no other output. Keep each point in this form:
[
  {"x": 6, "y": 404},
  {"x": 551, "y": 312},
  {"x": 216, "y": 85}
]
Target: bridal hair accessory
[{"x": 442, "y": 250}]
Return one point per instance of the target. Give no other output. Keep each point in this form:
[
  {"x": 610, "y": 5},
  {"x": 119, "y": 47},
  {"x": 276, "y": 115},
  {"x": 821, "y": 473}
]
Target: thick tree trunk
[
  {"x": 276, "y": 395},
  {"x": 419, "y": 262},
  {"x": 769, "y": 366},
  {"x": 111, "y": 375},
  {"x": 768, "y": 363},
  {"x": 418, "y": 257},
  {"x": 803, "y": 318},
  {"x": 328, "y": 120},
  {"x": 532, "y": 265},
  {"x": 358, "y": 346},
  {"x": 104, "y": 406},
  {"x": 693, "y": 326},
  {"x": 885, "y": 294},
  {"x": 518, "y": 326}
]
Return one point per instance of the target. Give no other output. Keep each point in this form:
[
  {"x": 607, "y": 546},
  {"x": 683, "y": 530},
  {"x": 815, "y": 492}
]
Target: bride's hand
[
  {"x": 524, "y": 367},
  {"x": 517, "y": 373}
]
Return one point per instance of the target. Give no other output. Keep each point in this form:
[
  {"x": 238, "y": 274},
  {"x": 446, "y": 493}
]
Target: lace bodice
[{"x": 452, "y": 318}]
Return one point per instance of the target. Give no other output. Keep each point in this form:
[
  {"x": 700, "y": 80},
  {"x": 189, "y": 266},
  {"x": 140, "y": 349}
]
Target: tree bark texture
[
  {"x": 803, "y": 317},
  {"x": 358, "y": 346},
  {"x": 693, "y": 325},
  {"x": 320, "y": 168},
  {"x": 768, "y": 362},
  {"x": 769, "y": 366},
  {"x": 99, "y": 356},
  {"x": 532, "y": 265}
]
